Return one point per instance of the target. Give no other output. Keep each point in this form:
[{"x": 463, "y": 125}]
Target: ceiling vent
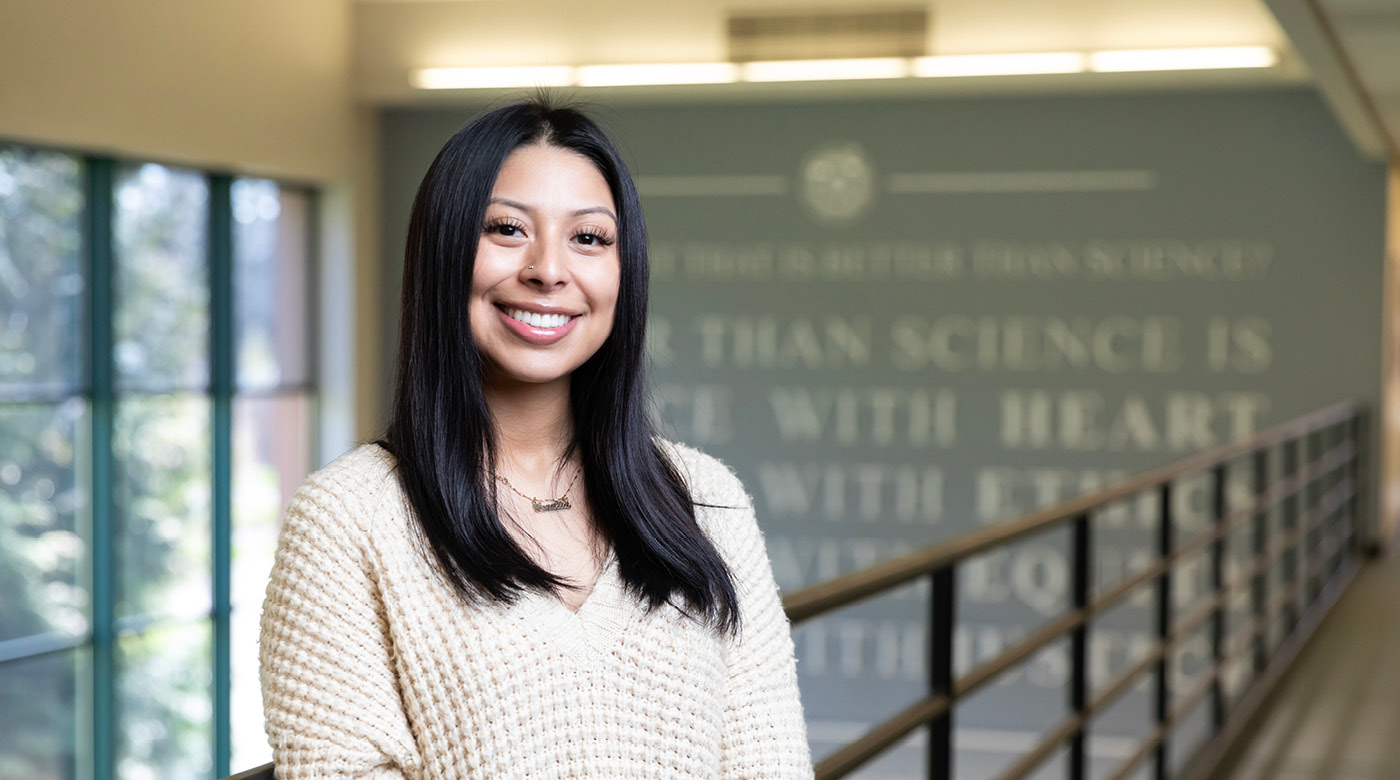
[{"x": 828, "y": 34}]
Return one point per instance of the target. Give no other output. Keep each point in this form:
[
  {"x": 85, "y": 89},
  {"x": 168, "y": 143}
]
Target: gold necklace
[{"x": 541, "y": 504}]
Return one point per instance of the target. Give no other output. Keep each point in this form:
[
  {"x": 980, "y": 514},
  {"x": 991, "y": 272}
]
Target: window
[{"x": 157, "y": 406}]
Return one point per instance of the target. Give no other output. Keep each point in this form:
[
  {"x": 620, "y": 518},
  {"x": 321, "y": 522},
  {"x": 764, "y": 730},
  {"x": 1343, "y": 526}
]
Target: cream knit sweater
[{"x": 373, "y": 668}]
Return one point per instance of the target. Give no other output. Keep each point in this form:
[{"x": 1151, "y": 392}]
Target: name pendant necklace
[{"x": 544, "y": 504}]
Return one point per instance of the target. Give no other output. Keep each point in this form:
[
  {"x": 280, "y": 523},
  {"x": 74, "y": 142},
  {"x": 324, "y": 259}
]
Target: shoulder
[
  {"x": 723, "y": 508},
  {"x": 344, "y": 494},
  {"x": 710, "y": 480}
]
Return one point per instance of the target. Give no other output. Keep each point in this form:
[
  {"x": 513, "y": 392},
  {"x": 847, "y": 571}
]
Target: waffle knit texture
[{"x": 372, "y": 667}]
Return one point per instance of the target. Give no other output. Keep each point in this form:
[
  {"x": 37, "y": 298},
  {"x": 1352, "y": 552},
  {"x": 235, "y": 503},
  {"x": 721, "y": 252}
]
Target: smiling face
[{"x": 545, "y": 282}]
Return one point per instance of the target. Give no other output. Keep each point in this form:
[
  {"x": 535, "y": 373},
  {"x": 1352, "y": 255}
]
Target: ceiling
[
  {"x": 1366, "y": 42},
  {"x": 1349, "y": 48}
]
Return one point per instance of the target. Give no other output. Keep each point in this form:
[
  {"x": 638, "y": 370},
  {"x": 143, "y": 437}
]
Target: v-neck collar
[{"x": 595, "y": 625}]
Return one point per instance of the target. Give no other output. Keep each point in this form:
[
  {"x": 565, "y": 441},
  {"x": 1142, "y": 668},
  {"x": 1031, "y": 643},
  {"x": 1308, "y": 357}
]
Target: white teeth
[{"x": 542, "y": 321}]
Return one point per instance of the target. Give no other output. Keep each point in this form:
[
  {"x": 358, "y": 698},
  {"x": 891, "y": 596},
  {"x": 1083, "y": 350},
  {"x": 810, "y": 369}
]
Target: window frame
[{"x": 96, "y": 718}]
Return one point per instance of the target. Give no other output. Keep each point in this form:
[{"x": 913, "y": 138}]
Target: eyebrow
[{"x": 591, "y": 210}]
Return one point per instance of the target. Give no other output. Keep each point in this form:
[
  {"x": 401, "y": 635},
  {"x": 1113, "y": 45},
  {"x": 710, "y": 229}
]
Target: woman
[{"x": 520, "y": 580}]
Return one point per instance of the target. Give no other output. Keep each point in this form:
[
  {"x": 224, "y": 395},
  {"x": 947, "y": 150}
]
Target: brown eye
[
  {"x": 592, "y": 239},
  {"x": 507, "y": 229}
]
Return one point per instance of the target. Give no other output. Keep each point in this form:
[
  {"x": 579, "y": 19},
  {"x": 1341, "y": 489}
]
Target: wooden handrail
[
  {"x": 809, "y": 602},
  {"x": 1324, "y": 504}
]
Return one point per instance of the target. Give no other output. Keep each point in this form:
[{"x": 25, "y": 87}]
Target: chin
[{"x": 532, "y": 375}]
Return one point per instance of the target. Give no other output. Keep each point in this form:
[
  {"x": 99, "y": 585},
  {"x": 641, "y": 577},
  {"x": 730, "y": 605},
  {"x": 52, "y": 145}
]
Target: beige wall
[{"x": 258, "y": 87}]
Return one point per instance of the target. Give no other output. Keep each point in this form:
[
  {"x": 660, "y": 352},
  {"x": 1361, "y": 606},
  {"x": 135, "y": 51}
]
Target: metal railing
[
  {"x": 1319, "y": 531},
  {"x": 1318, "y": 507}
]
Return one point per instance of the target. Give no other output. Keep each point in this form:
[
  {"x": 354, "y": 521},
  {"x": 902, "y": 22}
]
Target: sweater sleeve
[
  {"x": 765, "y": 735},
  {"x": 331, "y": 698}
]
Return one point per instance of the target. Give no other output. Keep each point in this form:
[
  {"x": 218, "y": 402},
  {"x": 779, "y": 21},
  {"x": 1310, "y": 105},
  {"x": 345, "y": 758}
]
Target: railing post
[
  {"x": 1288, "y": 522},
  {"x": 942, "y": 622},
  {"x": 1320, "y": 522},
  {"x": 1357, "y": 473},
  {"x": 1083, "y": 573},
  {"x": 1259, "y": 590},
  {"x": 1332, "y": 533},
  {"x": 1343, "y": 526},
  {"x": 1217, "y": 586},
  {"x": 1165, "y": 544}
]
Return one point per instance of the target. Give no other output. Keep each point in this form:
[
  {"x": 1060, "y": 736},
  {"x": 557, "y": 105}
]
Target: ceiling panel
[
  {"x": 1357, "y": 7},
  {"x": 394, "y": 37},
  {"x": 1368, "y": 38},
  {"x": 1373, "y": 46}
]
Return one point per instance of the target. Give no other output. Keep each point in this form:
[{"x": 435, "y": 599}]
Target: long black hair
[{"x": 441, "y": 431}]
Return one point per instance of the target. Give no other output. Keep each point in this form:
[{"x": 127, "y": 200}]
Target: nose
[{"x": 547, "y": 266}]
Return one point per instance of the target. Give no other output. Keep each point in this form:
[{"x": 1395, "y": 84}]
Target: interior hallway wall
[
  {"x": 255, "y": 87},
  {"x": 259, "y": 86},
  {"x": 901, "y": 319}
]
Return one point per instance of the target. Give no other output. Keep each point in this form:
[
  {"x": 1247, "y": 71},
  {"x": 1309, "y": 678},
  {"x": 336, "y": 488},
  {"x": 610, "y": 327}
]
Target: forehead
[{"x": 552, "y": 175}]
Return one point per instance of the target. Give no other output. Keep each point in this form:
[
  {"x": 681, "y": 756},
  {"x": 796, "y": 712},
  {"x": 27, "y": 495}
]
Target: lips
[{"x": 537, "y": 327}]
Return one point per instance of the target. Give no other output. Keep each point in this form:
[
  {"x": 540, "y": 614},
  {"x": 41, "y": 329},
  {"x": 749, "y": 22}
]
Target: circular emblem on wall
[{"x": 837, "y": 181}]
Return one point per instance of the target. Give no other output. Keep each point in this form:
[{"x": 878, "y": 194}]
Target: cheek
[
  {"x": 487, "y": 268},
  {"x": 491, "y": 269},
  {"x": 601, "y": 283},
  {"x": 607, "y": 296},
  {"x": 478, "y": 313}
]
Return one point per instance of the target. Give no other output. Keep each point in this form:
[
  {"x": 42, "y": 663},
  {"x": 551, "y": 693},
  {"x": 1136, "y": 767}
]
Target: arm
[
  {"x": 329, "y": 691},
  {"x": 765, "y": 735}
]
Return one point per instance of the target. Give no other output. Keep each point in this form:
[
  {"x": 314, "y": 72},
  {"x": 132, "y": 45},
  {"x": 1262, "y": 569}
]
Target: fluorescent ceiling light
[
  {"x": 485, "y": 78},
  {"x": 826, "y": 70},
  {"x": 669, "y": 73},
  {"x": 999, "y": 64},
  {"x": 1183, "y": 59},
  {"x": 847, "y": 69}
]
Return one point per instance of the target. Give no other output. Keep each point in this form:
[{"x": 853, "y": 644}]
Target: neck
[{"x": 533, "y": 428}]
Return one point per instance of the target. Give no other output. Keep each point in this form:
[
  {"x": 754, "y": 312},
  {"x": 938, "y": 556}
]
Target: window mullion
[
  {"x": 314, "y": 315},
  {"x": 98, "y": 174},
  {"x": 222, "y": 351}
]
